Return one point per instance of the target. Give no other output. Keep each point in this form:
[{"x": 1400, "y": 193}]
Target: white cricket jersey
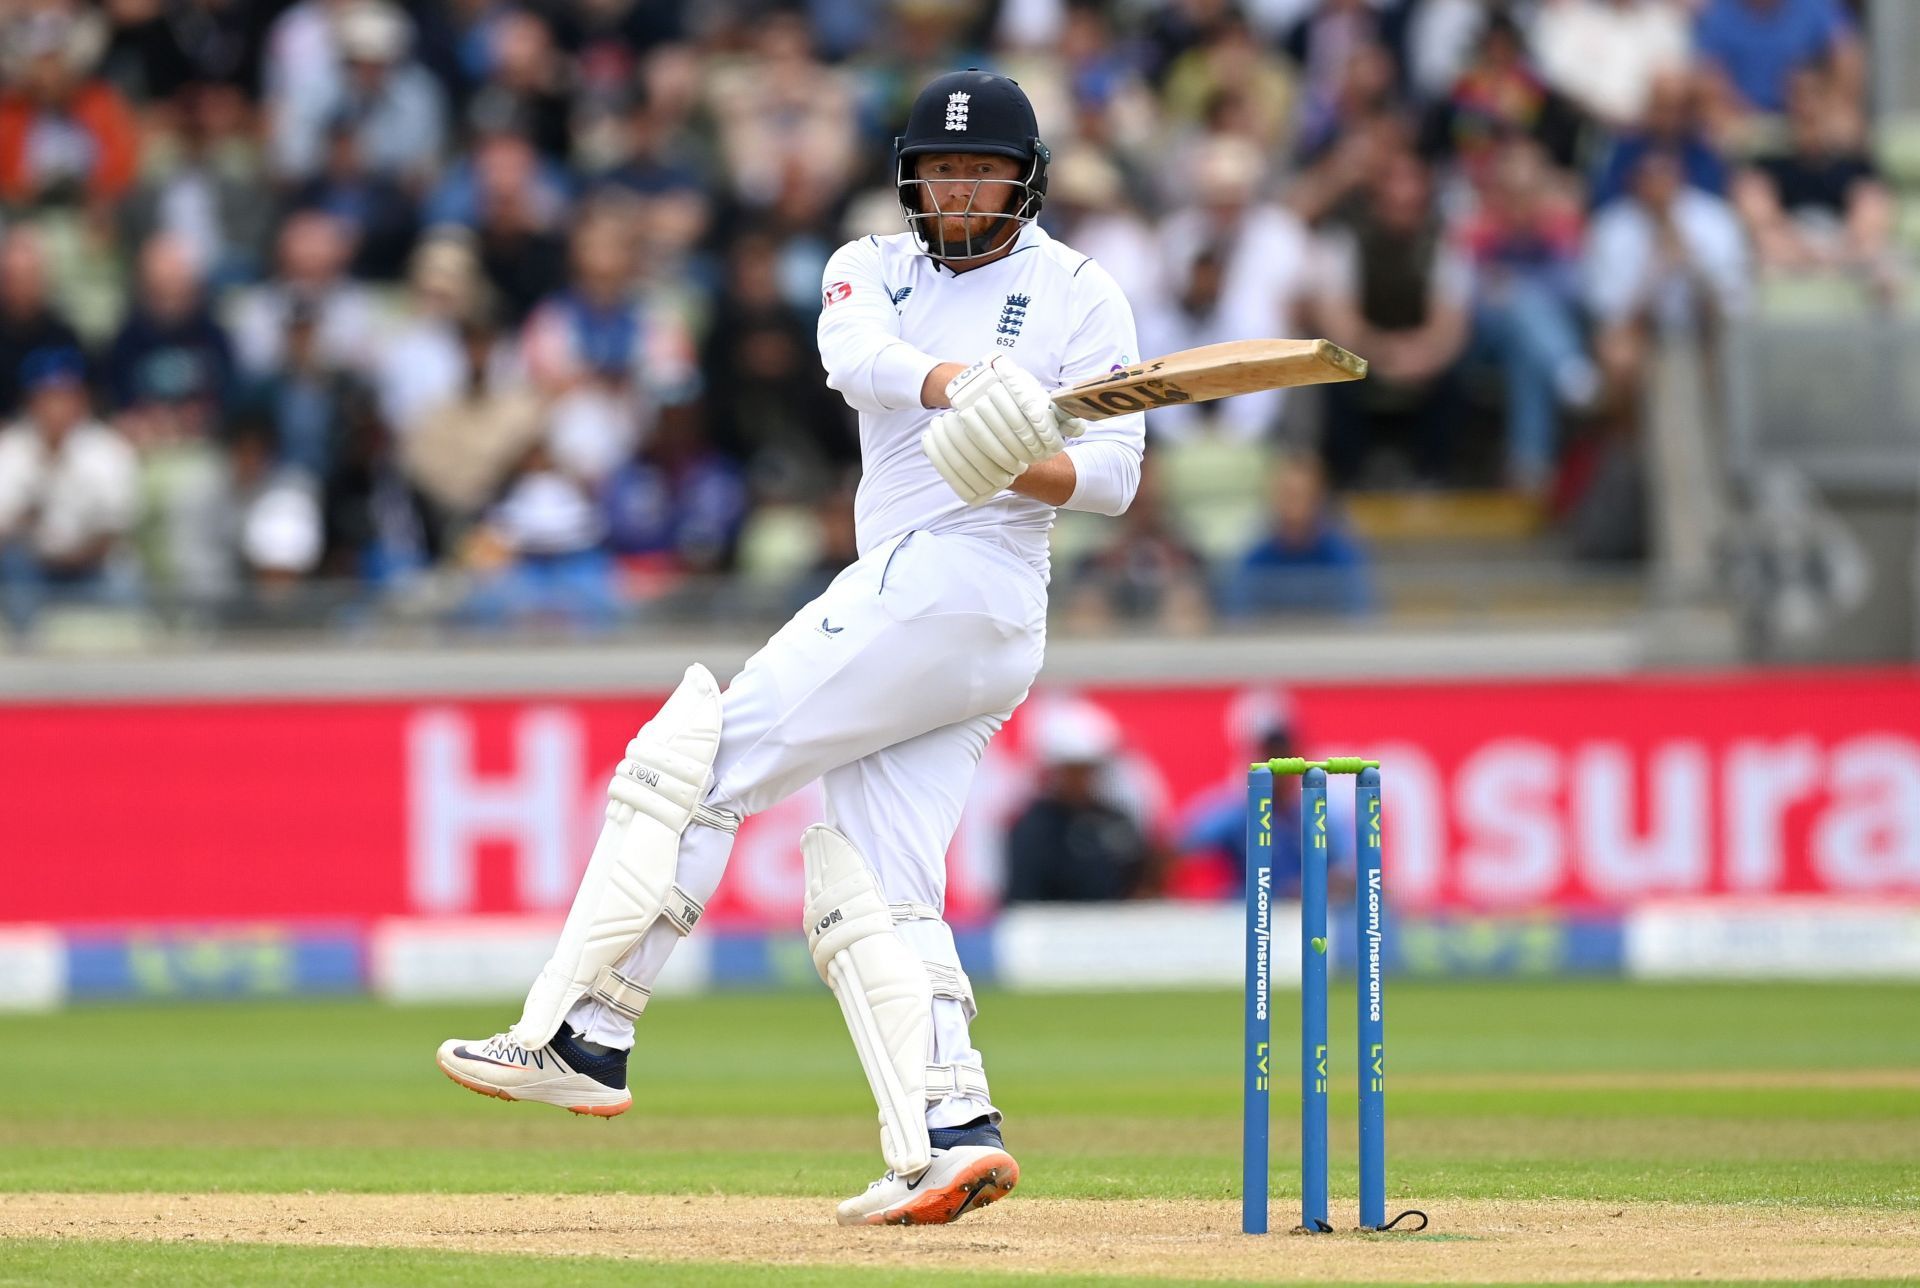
[{"x": 891, "y": 313}]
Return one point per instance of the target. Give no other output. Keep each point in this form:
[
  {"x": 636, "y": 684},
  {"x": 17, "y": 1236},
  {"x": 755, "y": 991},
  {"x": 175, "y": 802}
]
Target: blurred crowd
[{"x": 351, "y": 293}]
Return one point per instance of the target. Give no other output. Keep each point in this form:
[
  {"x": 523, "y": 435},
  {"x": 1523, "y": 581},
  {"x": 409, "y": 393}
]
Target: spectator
[
  {"x": 365, "y": 79},
  {"x": 422, "y": 362},
  {"x": 1498, "y": 97},
  {"x": 1671, "y": 124},
  {"x": 1146, "y": 573},
  {"x": 310, "y": 276},
  {"x": 69, "y": 494},
  {"x": 1237, "y": 266},
  {"x": 1396, "y": 289},
  {"x": 1750, "y": 49},
  {"x": 1112, "y": 107},
  {"x": 1173, "y": 29},
  {"x": 66, "y": 138},
  {"x": 610, "y": 38},
  {"x": 171, "y": 367},
  {"x": 540, "y": 555},
  {"x": 161, "y": 50},
  {"x": 518, "y": 219},
  {"x": 1524, "y": 244},
  {"x": 203, "y": 184},
  {"x": 373, "y": 211},
  {"x": 645, "y": 157},
  {"x": 1089, "y": 206},
  {"x": 301, "y": 71},
  {"x": 678, "y": 505},
  {"x": 460, "y": 446},
  {"x": 1323, "y": 42},
  {"x": 1331, "y": 188},
  {"x": 1667, "y": 256},
  {"x": 780, "y": 111},
  {"x": 1605, "y": 55},
  {"x": 501, "y": 166},
  {"x": 1820, "y": 203},
  {"x": 1068, "y": 845},
  {"x": 303, "y": 398},
  {"x": 609, "y": 358},
  {"x": 378, "y": 526},
  {"x": 1231, "y": 61},
  {"x": 29, "y": 322},
  {"x": 526, "y": 72},
  {"x": 765, "y": 401},
  {"x": 1441, "y": 38},
  {"x": 279, "y": 529},
  {"x": 1365, "y": 92},
  {"x": 1307, "y": 562}
]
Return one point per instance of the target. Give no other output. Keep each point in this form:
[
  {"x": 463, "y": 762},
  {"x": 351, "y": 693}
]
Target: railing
[{"x": 438, "y": 608}]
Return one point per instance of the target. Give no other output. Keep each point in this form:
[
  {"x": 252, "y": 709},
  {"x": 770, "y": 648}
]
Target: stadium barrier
[{"x": 1052, "y": 948}]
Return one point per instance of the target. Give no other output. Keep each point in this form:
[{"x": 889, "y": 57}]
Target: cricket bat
[{"x": 1208, "y": 372}]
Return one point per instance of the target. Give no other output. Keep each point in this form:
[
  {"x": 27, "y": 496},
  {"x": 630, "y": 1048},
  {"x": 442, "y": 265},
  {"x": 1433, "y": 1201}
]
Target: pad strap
[
  {"x": 719, "y": 820},
  {"x": 624, "y": 995},
  {"x": 952, "y": 983},
  {"x": 945, "y": 1080},
  {"x": 949, "y": 981}
]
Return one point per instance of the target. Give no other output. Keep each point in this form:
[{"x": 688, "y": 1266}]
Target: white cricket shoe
[
  {"x": 565, "y": 1072},
  {"x": 966, "y": 1174}
]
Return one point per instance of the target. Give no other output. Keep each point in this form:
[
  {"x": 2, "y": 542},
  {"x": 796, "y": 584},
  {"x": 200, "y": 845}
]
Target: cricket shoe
[
  {"x": 580, "y": 1076},
  {"x": 971, "y": 1168}
]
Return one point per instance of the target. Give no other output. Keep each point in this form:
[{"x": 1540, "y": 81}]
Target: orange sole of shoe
[
  {"x": 990, "y": 1178},
  {"x": 480, "y": 1088}
]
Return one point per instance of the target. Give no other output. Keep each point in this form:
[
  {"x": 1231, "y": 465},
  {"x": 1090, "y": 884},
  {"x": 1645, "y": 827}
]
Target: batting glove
[
  {"x": 1014, "y": 408},
  {"x": 970, "y": 456}
]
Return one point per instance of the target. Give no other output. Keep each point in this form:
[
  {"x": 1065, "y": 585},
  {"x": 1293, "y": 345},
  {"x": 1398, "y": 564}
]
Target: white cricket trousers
[{"x": 886, "y": 688}]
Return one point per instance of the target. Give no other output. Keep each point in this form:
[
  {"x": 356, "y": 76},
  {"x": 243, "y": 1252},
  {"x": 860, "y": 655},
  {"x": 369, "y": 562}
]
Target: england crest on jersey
[{"x": 1013, "y": 315}]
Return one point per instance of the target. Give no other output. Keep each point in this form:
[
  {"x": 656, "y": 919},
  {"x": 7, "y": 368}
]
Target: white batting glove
[
  {"x": 1014, "y": 408},
  {"x": 970, "y": 456}
]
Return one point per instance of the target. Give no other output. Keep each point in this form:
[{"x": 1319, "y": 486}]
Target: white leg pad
[
  {"x": 658, "y": 790},
  {"x": 882, "y": 987}
]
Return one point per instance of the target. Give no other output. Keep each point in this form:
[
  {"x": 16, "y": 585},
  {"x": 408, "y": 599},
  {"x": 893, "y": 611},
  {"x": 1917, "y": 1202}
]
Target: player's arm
[
  {"x": 859, "y": 335},
  {"x": 1053, "y": 480},
  {"x": 1100, "y": 470}
]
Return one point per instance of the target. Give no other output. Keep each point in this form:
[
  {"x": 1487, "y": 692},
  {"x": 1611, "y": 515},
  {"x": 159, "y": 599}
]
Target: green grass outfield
[{"x": 1783, "y": 1094}]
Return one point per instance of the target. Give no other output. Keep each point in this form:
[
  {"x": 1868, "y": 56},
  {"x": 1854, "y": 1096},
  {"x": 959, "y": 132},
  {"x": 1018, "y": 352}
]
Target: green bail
[{"x": 1297, "y": 765}]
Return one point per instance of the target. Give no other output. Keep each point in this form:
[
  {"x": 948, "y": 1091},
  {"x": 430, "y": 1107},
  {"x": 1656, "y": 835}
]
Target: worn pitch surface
[{"x": 1565, "y": 1131}]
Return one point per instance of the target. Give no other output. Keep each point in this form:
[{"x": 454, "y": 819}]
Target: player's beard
[{"x": 994, "y": 231}]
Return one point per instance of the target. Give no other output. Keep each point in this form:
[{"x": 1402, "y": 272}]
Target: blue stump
[
  {"x": 1370, "y": 925},
  {"x": 1313, "y": 1000},
  {"x": 1256, "y": 1055}
]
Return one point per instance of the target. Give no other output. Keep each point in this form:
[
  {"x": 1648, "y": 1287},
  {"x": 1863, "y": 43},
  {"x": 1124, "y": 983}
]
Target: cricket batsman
[{"x": 946, "y": 339}]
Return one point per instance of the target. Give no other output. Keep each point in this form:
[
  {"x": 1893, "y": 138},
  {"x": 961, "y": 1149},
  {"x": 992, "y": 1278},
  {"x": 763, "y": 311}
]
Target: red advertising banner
[{"x": 1500, "y": 796}]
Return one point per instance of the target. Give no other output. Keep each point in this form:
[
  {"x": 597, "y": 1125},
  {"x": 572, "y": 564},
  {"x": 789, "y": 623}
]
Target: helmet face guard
[{"x": 927, "y": 221}]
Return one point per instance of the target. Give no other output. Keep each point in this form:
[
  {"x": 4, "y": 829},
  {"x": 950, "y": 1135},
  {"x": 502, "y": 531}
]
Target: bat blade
[{"x": 1208, "y": 372}]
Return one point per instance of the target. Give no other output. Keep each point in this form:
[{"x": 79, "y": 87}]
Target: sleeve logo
[{"x": 835, "y": 292}]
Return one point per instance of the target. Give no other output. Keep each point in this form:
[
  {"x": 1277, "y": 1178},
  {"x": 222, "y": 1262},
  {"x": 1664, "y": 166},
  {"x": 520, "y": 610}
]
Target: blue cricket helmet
[{"x": 970, "y": 111}]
